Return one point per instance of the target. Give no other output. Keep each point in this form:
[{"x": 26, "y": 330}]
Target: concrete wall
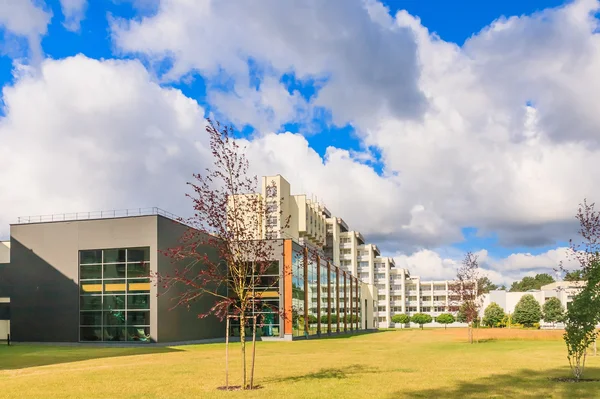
[
  {"x": 4, "y": 251},
  {"x": 179, "y": 323},
  {"x": 42, "y": 277}
]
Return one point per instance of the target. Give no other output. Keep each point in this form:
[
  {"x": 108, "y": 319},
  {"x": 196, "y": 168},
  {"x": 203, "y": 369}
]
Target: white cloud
[
  {"x": 87, "y": 135},
  {"x": 459, "y": 144},
  {"x": 74, "y": 12},
  {"x": 370, "y": 65},
  {"x": 24, "y": 18},
  {"x": 430, "y": 265},
  {"x": 472, "y": 154}
]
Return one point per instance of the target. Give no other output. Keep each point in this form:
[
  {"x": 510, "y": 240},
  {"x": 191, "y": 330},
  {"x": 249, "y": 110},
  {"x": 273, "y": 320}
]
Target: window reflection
[{"x": 115, "y": 294}]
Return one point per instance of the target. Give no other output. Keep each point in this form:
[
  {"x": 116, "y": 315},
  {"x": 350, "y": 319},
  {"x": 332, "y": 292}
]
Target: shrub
[
  {"x": 445, "y": 319},
  {"x": 527, "y": 311},
  {"x": 493, "y": 315},
  {"x": 421, "y": 318},
  {"x": 400, "y": 319}
]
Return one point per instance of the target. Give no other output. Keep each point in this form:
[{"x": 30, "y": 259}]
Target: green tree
[
  {"x": 421, "y": 318},
  {"x": 493, "y": 315},
  {"x": 531, "y": 283},
  {"x": 583, "y": 314},
  {"x": 485, "y": 285},
  {"x": 553, "y": 310},
  {"x": 574, "y": 275},
  {"x": 527, "y": 311},
  {"x": 400, "y": 319},
  {"x": 445, "y": 319}
]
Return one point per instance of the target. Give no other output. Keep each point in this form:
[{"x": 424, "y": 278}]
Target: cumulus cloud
[
  {"x": 74, "y": 12},
  {"x": 87, "y": 135},
  {"x": 499, "y": 134},
  {"x": 369, "y": 63},
  {"x": 441, "y": 264},
  {"x": 27, "y": 19}
]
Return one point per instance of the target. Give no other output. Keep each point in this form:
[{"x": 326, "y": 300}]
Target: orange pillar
[{"x": 287, "y": 288}]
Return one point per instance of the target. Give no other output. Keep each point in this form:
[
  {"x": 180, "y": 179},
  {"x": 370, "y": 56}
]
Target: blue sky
[{"x": 396, "y": 110}]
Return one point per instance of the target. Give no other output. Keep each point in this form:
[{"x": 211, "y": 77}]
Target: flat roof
[{"x": 96, "y": 215}]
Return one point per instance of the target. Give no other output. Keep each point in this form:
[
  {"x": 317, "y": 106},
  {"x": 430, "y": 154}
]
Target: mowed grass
[{"x": 387, "y": 364}]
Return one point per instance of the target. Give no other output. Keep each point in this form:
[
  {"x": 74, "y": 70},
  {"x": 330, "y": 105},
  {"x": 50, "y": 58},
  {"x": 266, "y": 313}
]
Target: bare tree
[
  {"x": 231, "y": 220},
  {"x": 465, "y": 298}
]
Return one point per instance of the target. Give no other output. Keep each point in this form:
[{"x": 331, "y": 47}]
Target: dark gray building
[{"x": 89, "y": 280}]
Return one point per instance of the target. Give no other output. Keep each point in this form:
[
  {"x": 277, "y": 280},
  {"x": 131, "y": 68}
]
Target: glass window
[
  {"x": 138, "y": 333},
  {"x": 138, "y": 255},
  {"x": 138, "y": 317},
  {"x": 114, "y": 255},
  {"x": 89, "y": 272},
  {"x": 115, "y": 334},
  {"x": 115, "y": 295},
  {"x": 138, "y": 302},
  {"x": 90, "y": 334},
  {"x": 91, "y": 318},
  {"x": 93, "y": 256},
  {"x": 112, "y": 302},
  {"x": 116, "y": 270},
  {"x": 88, "y": 302},
  {"x": 138, "y": 269},
  {"x": 114, "y": 318}
]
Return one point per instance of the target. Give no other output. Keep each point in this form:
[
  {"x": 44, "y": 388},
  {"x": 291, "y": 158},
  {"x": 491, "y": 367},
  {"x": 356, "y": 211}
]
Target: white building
[
  {"x": 311, "y": 223},
  {"x": 563, "y": 290}
]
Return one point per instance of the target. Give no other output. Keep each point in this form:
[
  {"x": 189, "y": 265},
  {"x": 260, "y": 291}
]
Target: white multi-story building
[
  {"x": 311, "y": 223},
  {"x": 563, "y": 290}
]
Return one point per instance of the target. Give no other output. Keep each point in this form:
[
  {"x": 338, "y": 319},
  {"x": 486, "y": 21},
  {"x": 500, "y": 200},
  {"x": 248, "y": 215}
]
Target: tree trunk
[
  {"x": 243, "y": 347},
  {"x": 253, "y": 353},
  {"x": 470, "y": 331},
  {"x": 227, "y": 354},
  {"x": 445, "y": 326}
]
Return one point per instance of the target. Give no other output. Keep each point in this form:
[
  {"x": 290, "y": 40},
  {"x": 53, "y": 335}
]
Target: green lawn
[{"x": 389, "y": 364}]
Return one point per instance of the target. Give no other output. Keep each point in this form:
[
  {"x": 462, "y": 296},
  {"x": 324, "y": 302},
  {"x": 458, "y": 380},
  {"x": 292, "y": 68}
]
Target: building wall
[
  {"x": 4, "y": 251},
  {"x": 42, "y": 277},
  {"x": 180, "y": 323}
]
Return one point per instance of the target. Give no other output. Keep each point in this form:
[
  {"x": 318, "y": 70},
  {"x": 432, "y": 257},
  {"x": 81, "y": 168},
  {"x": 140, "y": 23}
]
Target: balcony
[
  {"x": 359, "y": 237},
  {"x": 440, "y": 293}
]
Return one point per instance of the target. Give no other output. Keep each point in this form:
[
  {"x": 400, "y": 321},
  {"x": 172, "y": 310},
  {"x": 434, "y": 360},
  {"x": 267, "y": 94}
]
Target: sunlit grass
[{"x": 390, "y": 364}]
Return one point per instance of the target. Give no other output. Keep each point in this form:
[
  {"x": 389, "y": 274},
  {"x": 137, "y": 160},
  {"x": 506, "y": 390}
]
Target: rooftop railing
[{"x": 110, "y": 214}]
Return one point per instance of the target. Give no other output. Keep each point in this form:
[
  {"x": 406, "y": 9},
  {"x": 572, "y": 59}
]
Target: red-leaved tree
[
  {"x": 464, "y": 294},
  {"x": 223, "y": 254}
]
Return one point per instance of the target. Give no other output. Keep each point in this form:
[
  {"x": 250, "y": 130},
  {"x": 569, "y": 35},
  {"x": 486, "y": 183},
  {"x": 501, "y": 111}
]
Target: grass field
[{"x": 388, "y": 364}]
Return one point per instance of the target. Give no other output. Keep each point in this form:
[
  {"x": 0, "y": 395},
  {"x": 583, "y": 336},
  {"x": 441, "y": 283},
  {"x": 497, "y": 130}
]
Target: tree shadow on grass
[
  {"x": 520, "y": 384},
  {"x": 330, "y": 373},
  {"x": 23, "y": 356}
]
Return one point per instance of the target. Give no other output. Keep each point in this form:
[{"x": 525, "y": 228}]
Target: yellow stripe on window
[
  {"x": 267, "y": 294},
  {"x": 91, "y": 287},
  {"x": 114, "y": 287},
  {"x": 139, "y": 286}
]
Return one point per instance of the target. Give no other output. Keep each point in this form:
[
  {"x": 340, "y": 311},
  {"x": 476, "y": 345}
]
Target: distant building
[
  {"x": 563, "y": 290},
  {"x": 314, "y": 225}
]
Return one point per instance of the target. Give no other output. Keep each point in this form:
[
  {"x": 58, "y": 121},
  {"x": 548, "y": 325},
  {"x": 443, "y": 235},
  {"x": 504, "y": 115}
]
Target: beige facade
[
  {"x": 313, "y": 224},
  {"x": 4, "y": 251}
]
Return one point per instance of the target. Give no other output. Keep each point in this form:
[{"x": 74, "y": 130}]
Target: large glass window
[
  {"x": 298, "y": 322},
  {"x": 114, "y": 300},
  {"x": 324, "y": 296},
  {"x": 312, "y": 294}
]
